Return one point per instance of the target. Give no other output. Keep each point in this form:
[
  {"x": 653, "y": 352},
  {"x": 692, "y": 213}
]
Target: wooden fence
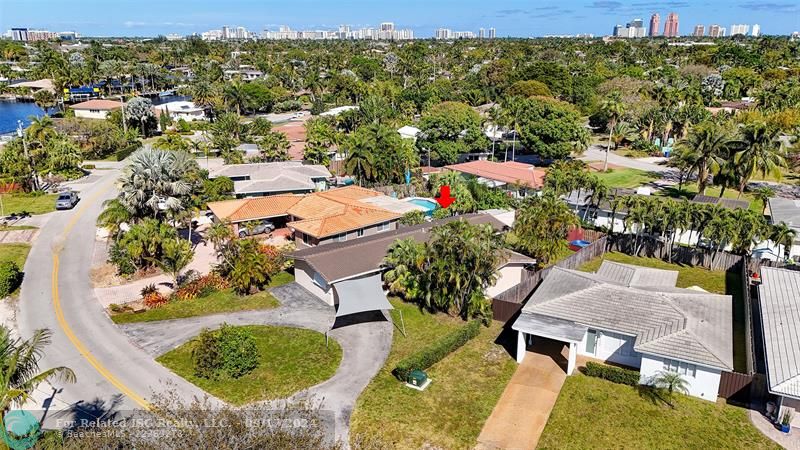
[
  {"x": 735, "y": 387},
  {"x": 647, "y": 246}
]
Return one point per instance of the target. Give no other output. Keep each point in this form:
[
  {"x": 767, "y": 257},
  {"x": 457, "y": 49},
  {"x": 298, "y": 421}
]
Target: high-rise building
[
  {"x": 620, "y": 31},
  {"x": 19, "y": 34},
  {"x": 739, "y": 29},
  {"x": 482, "y": 33},
  {"x": 699, "y": 30},
  {"x": 226, "y": 33},
  {"x": 655, "y": 21},
  {"x": 387, "y": 26},
  {"x": 492, "y": 33},
  {"x": 756, "y": 32},
  {"x": 716, "y": 31},
  {"x": 671, "y": 25}
]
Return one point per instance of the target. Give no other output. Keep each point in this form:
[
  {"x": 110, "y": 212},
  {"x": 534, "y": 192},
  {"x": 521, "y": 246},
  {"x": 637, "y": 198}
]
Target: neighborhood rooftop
[
  {"x": 667, "y": 321},
  {"x": 102, "y": 105},
  {"x": 510, "y": 172},
  {"x": 785, "y": 210},
  {"x": 729, "y": 203},
  {"x": 286, "y": 176},
  {"x": 779, "y": 299}
]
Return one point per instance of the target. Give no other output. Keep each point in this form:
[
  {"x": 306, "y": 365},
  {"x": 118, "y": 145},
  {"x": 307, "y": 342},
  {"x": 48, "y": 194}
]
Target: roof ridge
[
  {"x": 710, "y": 352},
  {"x": 789, "y": 380}
]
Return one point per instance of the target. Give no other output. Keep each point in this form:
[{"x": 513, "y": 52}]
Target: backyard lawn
[
  {"x": 595, "y": 413},
  {"x": 214, "y": 303},
  {"x": 451, "y": 411},
  {"x": 34, "y": 204},
  {"x": 291, "y": 359},
  {"x": 690, "y": 190},
  {"x": 17, "y": 253},
  {"x": 712, "y": 281},
  {"x": 626, "y": 178}
]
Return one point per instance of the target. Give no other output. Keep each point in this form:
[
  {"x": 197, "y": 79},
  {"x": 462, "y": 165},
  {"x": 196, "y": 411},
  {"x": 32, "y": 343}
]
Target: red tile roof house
[
  {"x": 517, "y": 178},
  {"x": 95, "y": 109}
]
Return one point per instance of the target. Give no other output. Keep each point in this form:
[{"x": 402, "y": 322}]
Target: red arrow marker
[{"x": 444, "y": 198}]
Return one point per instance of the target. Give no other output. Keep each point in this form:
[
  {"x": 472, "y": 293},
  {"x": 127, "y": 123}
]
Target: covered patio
[{"x": 532, "y": 328}]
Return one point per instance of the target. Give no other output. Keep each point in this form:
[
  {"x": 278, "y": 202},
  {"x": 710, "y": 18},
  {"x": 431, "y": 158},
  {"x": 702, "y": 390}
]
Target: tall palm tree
[
  {"x": 784, "y": 236},
  {"x": 235, "y": 96},
  {"x": 706, "y": 146},
  {"x": 360, "y": 160},
  {"x": 113, "y": 216},
  {"x": 157, "y": 181},
  {"x": 20, "y": 374},
  {"x": 404, "y": 259},
  {"x": 763, "y": 153},
  {"x": 763, "y": 194},
  {"x": 613, "y": 109}
]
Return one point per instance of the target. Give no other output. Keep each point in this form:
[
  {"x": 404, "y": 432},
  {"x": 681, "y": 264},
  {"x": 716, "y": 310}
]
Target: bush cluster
[
  {"x": 435, "y": 352},
  {"x": 201, "y": 287},
  {"x": 230, "y": 351},
  {"x": 125, "y": 152},
  {"x": 614, "y": 374},
  {"x": 10, "y": 277}
]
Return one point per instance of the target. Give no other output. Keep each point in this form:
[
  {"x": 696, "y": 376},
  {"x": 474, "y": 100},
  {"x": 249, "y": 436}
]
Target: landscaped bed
[
  {"x": 17, "y": 253},
  {"x": 452, "y": 410},
  {"x": 595, "y": 413},
  {"x": 291, "y": 359},
  {"x": 216, "y": 302}
]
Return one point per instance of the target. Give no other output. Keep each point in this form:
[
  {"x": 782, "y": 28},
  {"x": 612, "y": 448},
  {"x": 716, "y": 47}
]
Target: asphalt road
[{"x": 112, "y": 374}]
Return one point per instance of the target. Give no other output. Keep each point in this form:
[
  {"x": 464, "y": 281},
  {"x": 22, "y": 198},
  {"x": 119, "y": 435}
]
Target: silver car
[
  {"x": 264, "y": 226},
  {"x": 67, "y": 200}
]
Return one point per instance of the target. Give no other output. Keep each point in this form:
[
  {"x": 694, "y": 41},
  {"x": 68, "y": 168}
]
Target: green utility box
[{"x": 417, "y": 378}]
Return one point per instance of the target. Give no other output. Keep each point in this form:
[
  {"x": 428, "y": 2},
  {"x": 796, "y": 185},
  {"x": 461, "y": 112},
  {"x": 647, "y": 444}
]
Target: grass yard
[
  {"x": 690, "y": 190},
  {"x": 16, "y": 227},
  {"x": 451, "y": 411},
  {"x": 291, "y": 359},
  {"x": 626, "y": 178},
  {"x": 595, "y": 413},
  {"x": 16, "y": 252},
  {"x": 217, "y": 302},
  {"x": 33, "y": 204},
  {"x": 718, "y": 282}
]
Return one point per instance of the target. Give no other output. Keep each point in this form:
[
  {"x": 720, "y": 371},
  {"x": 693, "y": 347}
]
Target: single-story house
[
  {"x": 408, "y": 132},
  {"x": 779, "y": 307},
  {"x": 517, "y": 178},
  {"x": 185, "y": 110},
  {"x": 285, "y": 177},
  {"x": 333, "y": 112},
  {"x": 633, "y": 316},
  {"x": 319, "y": 218},
  {"x": 787, "y": 210},
  {"x": 45, "y": 84},
  {"x": 321, "y": 269},
  {"x": 95, "y": 109}
]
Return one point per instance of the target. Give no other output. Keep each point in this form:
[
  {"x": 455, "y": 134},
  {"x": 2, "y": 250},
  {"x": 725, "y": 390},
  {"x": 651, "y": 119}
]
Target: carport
[
  {"x": 529, "y": 325},
  {"x": 362, "y": 294}
]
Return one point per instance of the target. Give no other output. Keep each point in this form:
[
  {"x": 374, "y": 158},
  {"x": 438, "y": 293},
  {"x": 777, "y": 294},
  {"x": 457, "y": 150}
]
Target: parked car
[
  {"x": 264, "y": 226},
  {"x": 67, "y": 200}
]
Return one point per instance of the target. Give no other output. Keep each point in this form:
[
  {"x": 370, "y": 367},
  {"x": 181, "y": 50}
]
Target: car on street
[
  {"x": 263, "y": 226},
  {"x": 67, "y": 200}
]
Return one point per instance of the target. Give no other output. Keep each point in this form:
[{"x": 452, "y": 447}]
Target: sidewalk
[{"x": 789, "y": 441}]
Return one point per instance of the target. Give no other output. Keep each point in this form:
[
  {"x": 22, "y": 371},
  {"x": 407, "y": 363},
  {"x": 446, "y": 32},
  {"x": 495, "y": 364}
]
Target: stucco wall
[
  {"x": 705, "y": 383},
  {"x": 90, "y": 114},
  {"x": 612, "y": 347},
  {"x": 304, "y": 276},
  {"x": 507, "y": 277},
  {"x": 351, "y": 235}
]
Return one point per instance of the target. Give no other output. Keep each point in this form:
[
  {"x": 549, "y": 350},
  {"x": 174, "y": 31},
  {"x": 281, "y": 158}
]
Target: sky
[{"x": 518, "y": 18}]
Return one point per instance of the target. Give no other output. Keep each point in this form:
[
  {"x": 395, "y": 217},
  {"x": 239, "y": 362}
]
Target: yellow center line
[{"x": 60, "y": 312}]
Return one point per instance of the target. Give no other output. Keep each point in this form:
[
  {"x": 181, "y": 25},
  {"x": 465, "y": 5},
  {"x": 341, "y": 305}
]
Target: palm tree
[
  {"x": 763, "y": 194},
  {"x": 405, "y": 258},
  {"x": 175, "y": 256},
  {"x": 20, "y": 373},
  {"x": 235, "y": 96},
  {"x": 613, "y": 109},
  {"x": 172, "y": 141},
  {"x": 360, "y": 160},
  {"x": 623, "y": 132},
  {"x": 156, "y": 181},
  {"x": 763, "y": 153},
  {"x": 706, "y": 146},
  {"x": 672, "y": 382},
  {"x": 41, "y": 130},
  {"x": 784, "y": 236},
  {"x": 722, "y": 228},
  {"x": 113, "y": 216},
  {"x": 220, "y": 234}
]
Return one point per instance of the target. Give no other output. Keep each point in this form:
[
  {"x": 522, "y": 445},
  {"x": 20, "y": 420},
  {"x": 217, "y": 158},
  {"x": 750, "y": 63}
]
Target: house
[
  {"x": 285, "y": 177},
  {"x": 321, "y": 269},
  {"x": 517, "y": 178},
  {"x": 787, "y": 210},
  {"x": 333, "y": 112},
  {"x": 95, "y": 109},
  {"x": 633, "y": 316},
  {"x": 779, "y": 308},
  {"x": 408, "y": 132},
  {"x": 320, "y": 218},
  {"x": 185, "y": 110},
  {"x": 243, "y": 74}
]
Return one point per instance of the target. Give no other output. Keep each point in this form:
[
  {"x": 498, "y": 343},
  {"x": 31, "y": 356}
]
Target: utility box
[{"x": 417, "y": 378}]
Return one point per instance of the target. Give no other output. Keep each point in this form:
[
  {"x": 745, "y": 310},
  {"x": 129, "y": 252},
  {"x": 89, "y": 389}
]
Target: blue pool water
[
  {"x": 11, "y": 111},
  {"x": 427, "y": 204}
]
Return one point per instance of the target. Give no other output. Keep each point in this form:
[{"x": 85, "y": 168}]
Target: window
[
  {"x": 680, "y": 367},
  {"x": 306, "y": 239},
  {"x": 95, "y": 111},
  {"x": 383, "y": 227},
  {"x": 360, "y": 232},
  {"x": 319, "y": 281},
  {"x": 341, "y": 237}
]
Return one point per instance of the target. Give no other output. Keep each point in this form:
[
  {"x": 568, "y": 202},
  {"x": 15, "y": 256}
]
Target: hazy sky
[{"x": 509, "y": 17}]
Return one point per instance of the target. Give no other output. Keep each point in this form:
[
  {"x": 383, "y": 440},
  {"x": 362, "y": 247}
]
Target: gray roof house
[
  {"x": 779, "y": 306},
  {"x": 634, "y": 316},
  {"x": 286, "y": 177}
]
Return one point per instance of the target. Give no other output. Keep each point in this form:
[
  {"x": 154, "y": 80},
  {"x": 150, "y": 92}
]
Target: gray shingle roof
[
  {"x": 284, "y": 176},
  {"x": 674, "y": 323},
  {"x": 779, "y": 298},
  {"x": 785, "y": 210}
]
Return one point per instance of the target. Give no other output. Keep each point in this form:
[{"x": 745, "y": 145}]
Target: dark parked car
[
  {"x": 264, "y": 226},
  {"x": 67, "y": 200}
]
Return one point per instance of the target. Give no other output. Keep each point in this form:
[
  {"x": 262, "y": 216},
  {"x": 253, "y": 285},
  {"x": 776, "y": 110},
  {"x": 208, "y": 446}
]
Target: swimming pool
[{"x": 429, "y": 205}]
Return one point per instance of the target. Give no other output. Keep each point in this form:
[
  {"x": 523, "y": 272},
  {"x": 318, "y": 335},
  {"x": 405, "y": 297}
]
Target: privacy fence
[{"x": 679, "y": 254}]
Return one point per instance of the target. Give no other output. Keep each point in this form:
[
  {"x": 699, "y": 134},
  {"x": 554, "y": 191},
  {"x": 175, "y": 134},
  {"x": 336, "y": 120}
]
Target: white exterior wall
[
  {"x": 705, "y": 383},
  {"x": 603, "y": 219},
  {"x": 91, "y": 113},
  {"x": 304, "y": 276},
  {"x": 612, "y": 347},
  {"x": 507, "y": 277}
]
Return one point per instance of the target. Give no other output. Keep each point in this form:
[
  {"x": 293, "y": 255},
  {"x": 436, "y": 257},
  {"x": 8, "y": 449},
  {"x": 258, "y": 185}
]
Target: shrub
[
  {"x": 435, "y": 352},
  {"x": 201, "y": 287},
  {"x": 147, "y": 290},
  {"x": 116, "y": 308},
  {"x": 125, "y": 152},
  {"x": 89, "y": 167},
  {"x": 154, "y": 300},
  {"x": 183, "y": 126},
  {"x": 288, "y": 105},
  {"x": 230, "y": 351},
  {"x": 412, "y": 218},
  {"x": 120, "y": 257},
  {"x": 614, "y": 374},
  {"x": 10, "y": 277}
]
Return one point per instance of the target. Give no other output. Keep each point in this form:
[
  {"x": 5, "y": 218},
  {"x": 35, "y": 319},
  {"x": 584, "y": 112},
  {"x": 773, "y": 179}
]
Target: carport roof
[{"x": 550, "y": 327}]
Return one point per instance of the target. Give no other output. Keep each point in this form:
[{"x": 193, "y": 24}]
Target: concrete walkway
[
  {"x": 365, "y": 340},
  {"x": 789, "y": 441},
  {"x": 520, "y": 415}
]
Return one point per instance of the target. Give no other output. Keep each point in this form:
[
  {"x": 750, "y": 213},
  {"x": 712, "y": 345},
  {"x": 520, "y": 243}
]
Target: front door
[{"x": 591, "y": 342}]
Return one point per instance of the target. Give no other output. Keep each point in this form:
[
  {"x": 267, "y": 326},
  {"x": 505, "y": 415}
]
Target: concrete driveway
[
  {"x": 365, "y": 340},
  {"x": 520, "y": 415}
]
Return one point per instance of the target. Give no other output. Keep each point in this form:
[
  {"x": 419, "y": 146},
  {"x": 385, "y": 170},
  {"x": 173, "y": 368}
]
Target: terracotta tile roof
[
  {"x": 103, "y": 105},
  {"x": 254, "y": 208},
  {"x": 508, "y": 172},
  {"x": 352, "y": 218}
]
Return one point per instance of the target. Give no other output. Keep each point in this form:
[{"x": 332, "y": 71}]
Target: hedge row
[
  {"x": 435, "y": 352},
  {"x": 613, "y": 374},
  {"x": 10, "y": 278},
  {"x": 125, "y": 152}
]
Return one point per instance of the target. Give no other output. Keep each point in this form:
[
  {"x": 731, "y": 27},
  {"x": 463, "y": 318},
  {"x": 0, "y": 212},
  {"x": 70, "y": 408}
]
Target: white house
[
  {"x": 408, "y": 132},
  {"x": 185, "y": 110},
  {"x": 95, "y": 109},
  {"x": 787, "y": 211},
  {"x": 634, "y": 316}
]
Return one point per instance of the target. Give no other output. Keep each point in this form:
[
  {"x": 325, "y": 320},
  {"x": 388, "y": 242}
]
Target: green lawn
[
  {"x": 690, "y": 190},
  {"x": 16, "y": 227},
  {"x": 626, "y": 178},
  {"x": 217, "y": 302},
  {"x": 712, "y": 281},
  {"x": 34, "y": 204},
  {"x": 594, "y": 413},
  {"x": 291, "y": 359},
  {"x": 451, "y": 411},
  {"x": 17, "y": 253}
]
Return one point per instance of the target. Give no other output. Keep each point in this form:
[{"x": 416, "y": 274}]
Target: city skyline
[{"x": 511, "y": 18}]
